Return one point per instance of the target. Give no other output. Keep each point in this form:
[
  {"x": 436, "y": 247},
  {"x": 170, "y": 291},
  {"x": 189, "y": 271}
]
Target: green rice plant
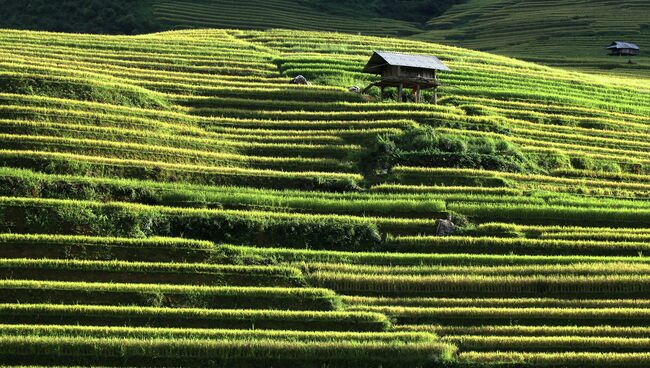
[
  {"x": 193, "y": 317},
  {"x": 601, "y": 174},
  {"x": 310, "y": 104},
  {"x": 449, "y": 177},
  {"x": 541, "y": 231},
  {"x": 146, "y": 272},
  {"x": 175, "y": 296},
  {"x": 168, "y": 155},
  {"x": 283, "y": 122},
  {"x": 95, "y": 90},
  {"x": 134, "y": 65},
  {"x": 491, "y": 302},
  {"x": 496, "y": 178},
  {"x": 253, "y": 255},
  {"x": 213, "y": 334},
  {"x": 459, "y": 285},
  {"x": 632, "y": 154},
  {"x": 548, "y": 343},
  {"x": 499, "y": 245},
  {"x": 28, "y": 108},
  {"x": 599, "y": 236},
  {"x": 279, "y": 93},
  {"x": 566, "y": 139},
  {"x": 191, "y": 352},
  {"x": 155, "y": 249},
  {"x": 22, "y": 183},
  {"x": 18, "y": 175},
  {"x": 527, "y": 107},
  {"x": 270, "y": 15},
  {"x": 409, "y": 226},
  {"x": 550, "y": 269},
  {"x": 565, "y": 359},
  {"x": 80, "y": 112},
  {"x": 342, "y": 116},
  {"x": 66, "y": 163},
  {"x": 226, "y": 103},
  {"x": 207, "y": 145},
  {"x": 521, "y": 330},
  {"x": 473, "y": 316},
  {"x": 401, "y": 188}
]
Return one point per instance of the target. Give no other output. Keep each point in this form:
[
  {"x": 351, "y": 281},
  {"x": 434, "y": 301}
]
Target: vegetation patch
[
  {"x": 80, "y": 89},
  {"x": 112, "y": 16},
  {"x": 426, "y": 147}
]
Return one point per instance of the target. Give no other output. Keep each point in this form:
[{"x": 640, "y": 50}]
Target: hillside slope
[
  {"x": 170, "y": 199},
  {"x": 565, "y": 33},
  {"x": 570, "y": 33},
  {"x": 275, "y": 14}
]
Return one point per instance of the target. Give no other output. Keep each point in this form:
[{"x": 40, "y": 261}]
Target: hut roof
[
  {"x": 622, "y": 45},
  {"x": 382, "y": 58}
]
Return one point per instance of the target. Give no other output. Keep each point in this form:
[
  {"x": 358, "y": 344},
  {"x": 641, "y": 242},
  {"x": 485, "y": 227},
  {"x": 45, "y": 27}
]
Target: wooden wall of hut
[{"x": 406, "y": 72}]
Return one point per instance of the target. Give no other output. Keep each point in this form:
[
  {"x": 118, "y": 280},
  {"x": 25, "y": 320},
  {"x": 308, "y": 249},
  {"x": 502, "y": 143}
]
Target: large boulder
[
  {"x": 355, "y": 89},
  {"x": 299, "y": 79},
  {"x": 445, "y": 228}
]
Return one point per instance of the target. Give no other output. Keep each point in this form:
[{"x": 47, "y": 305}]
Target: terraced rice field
[
  {"x": 272, "y": 14},
  {"x": 169, "y": 199},
  {"x": 570, "y": 34},
  {"x": 562, "y": 33}
]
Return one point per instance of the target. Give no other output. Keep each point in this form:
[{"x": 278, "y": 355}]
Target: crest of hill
[{"x": 562, "y": 33}]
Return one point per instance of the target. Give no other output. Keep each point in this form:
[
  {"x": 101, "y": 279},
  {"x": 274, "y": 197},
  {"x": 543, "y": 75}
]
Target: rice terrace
[{"x": 325, "y": 184}]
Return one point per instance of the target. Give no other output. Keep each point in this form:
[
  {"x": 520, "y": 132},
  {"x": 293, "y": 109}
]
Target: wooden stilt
[
  {"x": 381, "y": 96},
  {"x": 434, "y": 96},
  {"x": 417, "y": 93},
  {"x": 400, "y": 92}
]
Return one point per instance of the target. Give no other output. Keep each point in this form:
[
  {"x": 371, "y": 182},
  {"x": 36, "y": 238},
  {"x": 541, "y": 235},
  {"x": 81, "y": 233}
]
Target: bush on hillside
[
  {"x": 136, "y": 221},
  {"x": 425, "y": 147}
]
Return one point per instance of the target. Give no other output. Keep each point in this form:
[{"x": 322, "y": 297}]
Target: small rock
[
  {"x": 300, "y": 80},
  {"x": 445, "y": 228},
  {"x": 355, "y": 89}
]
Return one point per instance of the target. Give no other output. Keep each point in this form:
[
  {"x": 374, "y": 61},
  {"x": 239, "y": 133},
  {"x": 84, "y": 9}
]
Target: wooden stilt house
[
  {"x": 417, "y": 72},
  {"x": 621, "y": 48}
]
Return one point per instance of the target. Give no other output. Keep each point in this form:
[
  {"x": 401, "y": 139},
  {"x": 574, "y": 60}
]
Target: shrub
[
  {"x": 426, "y": 147},
  {"x": 130, "y": 220}
]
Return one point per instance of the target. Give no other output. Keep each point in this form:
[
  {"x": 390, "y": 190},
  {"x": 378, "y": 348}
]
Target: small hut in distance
[
  {"x": 621, "y": 48},
  {"x": 418, "y": 72}
]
